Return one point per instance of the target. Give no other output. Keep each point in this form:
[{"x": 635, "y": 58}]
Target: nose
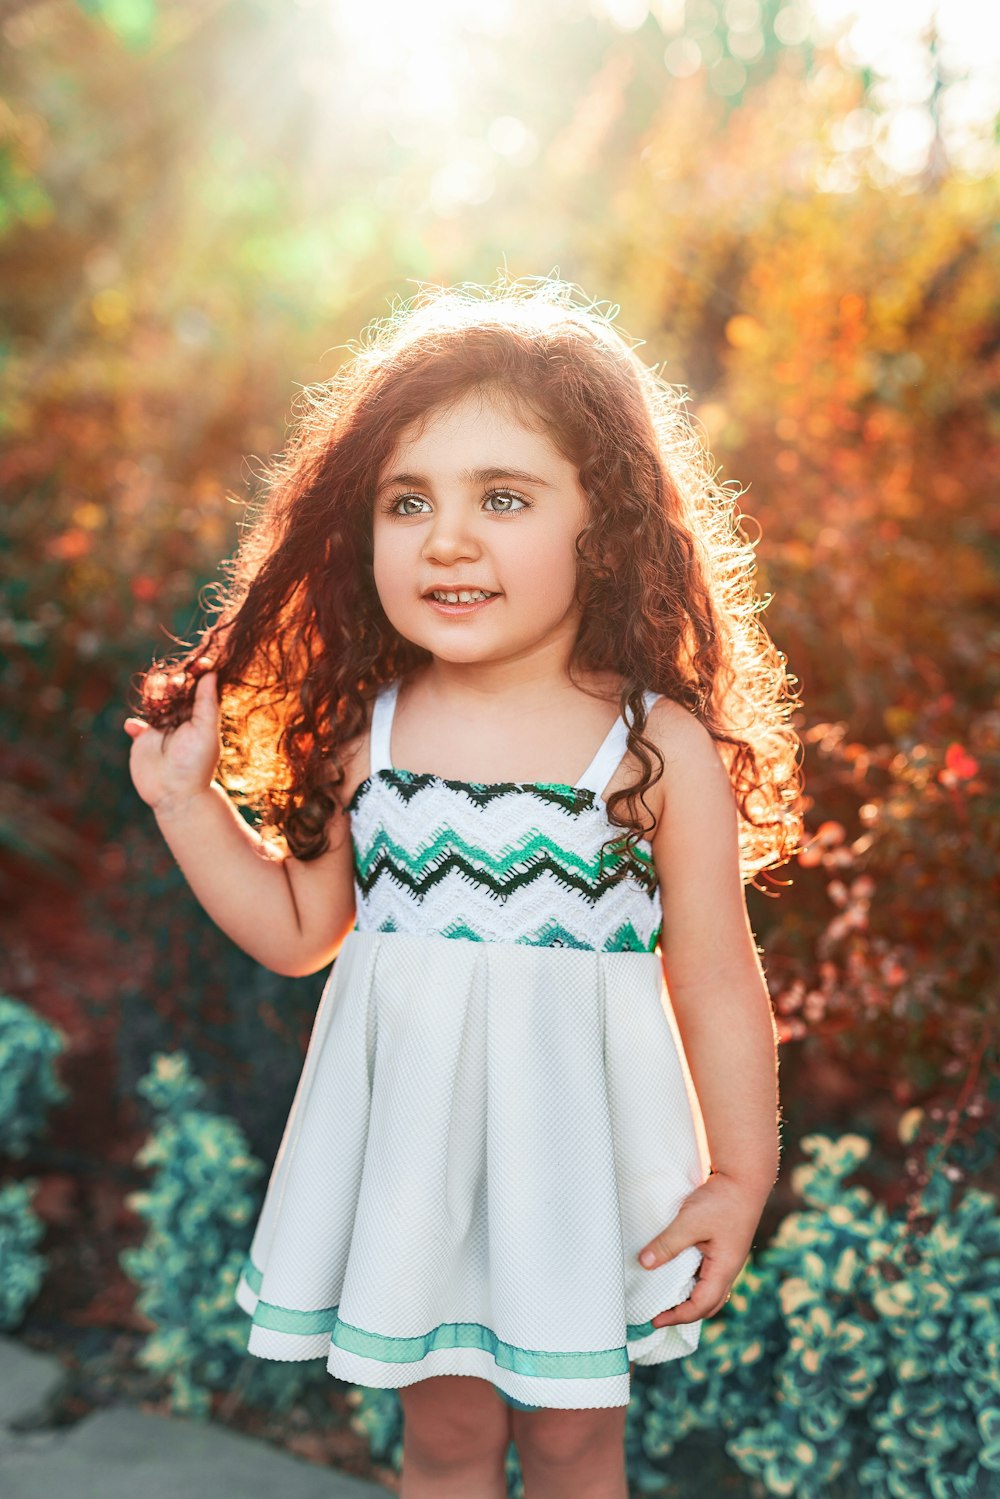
[{"x": 449, "y": 539}]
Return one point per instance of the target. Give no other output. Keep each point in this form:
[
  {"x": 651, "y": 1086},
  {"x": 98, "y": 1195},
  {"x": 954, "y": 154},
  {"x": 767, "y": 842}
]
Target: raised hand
[
  {"x": 169, "y": 766},
  {"x": 720, "y": 1217}
]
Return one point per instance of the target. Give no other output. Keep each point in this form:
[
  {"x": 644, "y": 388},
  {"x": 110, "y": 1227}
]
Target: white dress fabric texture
[{"x": 494, "y": 1113}]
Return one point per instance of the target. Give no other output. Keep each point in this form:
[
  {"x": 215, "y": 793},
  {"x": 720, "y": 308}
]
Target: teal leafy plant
[
  {"x": 22, "y": 1268},
  {"x": 199, "y": 1207},
  {"x": 858, "y": 1356},
  {"x": 29, "y": 1089}
]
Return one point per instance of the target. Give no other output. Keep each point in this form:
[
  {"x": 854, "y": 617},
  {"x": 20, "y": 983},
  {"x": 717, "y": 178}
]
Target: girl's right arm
[{"x": 290, "y": 915}]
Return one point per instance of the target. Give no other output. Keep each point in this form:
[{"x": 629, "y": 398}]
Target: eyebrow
[{"x": 472, "y": 476}]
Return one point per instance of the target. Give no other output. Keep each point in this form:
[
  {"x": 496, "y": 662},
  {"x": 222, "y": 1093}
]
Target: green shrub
[
  {"x": 29, "y": 1088},
  {"x": 200, "y": 1208},
  {"x": 21, "y": 1269},
  {"x": 856, "y": 1357}
]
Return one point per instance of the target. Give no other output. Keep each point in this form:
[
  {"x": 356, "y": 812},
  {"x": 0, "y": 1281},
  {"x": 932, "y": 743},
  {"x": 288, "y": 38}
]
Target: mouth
[{"x": 455, "y": 601}]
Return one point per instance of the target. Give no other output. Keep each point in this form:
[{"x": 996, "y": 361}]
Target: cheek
[
  {"x": 388, "y": 565},
  {"x": 547, "y": 567}
]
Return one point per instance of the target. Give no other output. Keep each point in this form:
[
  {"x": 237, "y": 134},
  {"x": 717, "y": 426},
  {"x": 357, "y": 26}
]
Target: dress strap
[
  {"x": 380, "y": 732},
  {"x": 604, "y": 764}
]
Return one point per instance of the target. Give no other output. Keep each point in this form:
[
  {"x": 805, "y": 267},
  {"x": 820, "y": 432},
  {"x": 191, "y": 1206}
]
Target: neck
[{"x": 507, "y": 687}]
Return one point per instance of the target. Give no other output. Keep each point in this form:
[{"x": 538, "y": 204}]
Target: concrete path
[{"x": 120, "y": 1452}]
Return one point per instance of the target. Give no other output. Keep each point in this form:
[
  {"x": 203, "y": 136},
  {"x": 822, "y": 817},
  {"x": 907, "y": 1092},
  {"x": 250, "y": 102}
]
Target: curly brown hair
[{"x": 300, "y": 641}]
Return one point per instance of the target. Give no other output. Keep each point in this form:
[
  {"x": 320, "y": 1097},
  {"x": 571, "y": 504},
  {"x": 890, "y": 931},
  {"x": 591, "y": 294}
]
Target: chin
[
  {"x": 460, "y": 655},
  {"x": 443, "y": 649}
]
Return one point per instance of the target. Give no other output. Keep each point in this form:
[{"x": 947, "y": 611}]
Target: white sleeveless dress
[{"x": 494, "y": 1114}]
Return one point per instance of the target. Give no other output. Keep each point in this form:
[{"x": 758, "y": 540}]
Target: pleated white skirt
[{"x": 483, "y": 1137}]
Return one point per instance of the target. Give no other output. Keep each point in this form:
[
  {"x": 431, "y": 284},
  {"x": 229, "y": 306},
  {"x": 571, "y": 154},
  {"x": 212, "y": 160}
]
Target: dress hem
[{"x": 469, "y": 1349}]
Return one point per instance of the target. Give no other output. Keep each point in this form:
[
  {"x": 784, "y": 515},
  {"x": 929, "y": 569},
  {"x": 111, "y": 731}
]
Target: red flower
[{"x": 961, "y": 765}]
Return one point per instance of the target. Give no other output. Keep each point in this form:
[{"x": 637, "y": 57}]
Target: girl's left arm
[{"x": 722, "y": 1006}]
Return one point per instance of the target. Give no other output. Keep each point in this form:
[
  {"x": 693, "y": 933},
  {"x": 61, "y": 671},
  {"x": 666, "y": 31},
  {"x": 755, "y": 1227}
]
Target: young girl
[{"x": 489, "y": 673}]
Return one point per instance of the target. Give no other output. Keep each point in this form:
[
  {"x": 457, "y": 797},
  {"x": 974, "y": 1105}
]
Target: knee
[
  {"x": 560, "y": 1439},
  {"x": 454, "y": 1425}
]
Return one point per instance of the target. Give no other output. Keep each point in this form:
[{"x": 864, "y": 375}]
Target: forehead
[{"x": 487, "y": 426}]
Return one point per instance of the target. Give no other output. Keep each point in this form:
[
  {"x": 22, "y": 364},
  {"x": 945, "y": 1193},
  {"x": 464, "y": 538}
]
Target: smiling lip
[{"x": 455, "y": 609}]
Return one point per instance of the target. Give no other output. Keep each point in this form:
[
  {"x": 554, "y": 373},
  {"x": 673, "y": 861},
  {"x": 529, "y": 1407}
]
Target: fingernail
[{"x": 647, "y": 1257}]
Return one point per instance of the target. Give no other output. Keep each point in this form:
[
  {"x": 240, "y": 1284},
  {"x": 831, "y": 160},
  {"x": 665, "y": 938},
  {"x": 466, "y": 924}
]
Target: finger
[
  {"x": 134, "y": 727},
  {"x": 688, "y": 1311},
  {"x": 708, "y": 1296},
  {"x": 666, "y": 1245},
  {"x": 205, "y": 704}
]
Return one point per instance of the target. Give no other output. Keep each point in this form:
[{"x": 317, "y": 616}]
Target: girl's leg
[
  {"x": 456, "y": 1430},
  {"x": 572, "y": 1454}
]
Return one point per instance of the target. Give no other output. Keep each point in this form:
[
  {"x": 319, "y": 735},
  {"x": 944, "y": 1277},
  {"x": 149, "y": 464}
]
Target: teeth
[{"x": 464, "y": 596}]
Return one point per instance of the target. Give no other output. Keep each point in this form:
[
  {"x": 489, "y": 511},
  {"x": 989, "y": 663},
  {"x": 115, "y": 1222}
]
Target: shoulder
[
  {"x": 693, "y": 769},
  {"x": 679, "y": 735},
  {"x": 355, "y": 759},
  {"x": 697, "y": 813}
]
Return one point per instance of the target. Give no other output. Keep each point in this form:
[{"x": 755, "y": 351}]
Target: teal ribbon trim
[
  {"x": 599, "y": 1365},
  {"x": 519, "y": 1405}
]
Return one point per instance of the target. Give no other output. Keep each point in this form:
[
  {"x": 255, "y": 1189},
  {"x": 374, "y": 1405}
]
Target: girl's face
[{"x": 477, "y": 501}]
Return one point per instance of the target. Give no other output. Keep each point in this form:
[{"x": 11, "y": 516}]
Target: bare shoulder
[
  {"x": 680, "y": 736},
  {"x": 697, "y": 815},
  {"x": 355, "y": 758},
  {"x": 693, "y": 770}
]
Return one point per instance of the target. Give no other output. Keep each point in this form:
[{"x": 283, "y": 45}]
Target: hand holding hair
[{"x": 171, "y": 767}]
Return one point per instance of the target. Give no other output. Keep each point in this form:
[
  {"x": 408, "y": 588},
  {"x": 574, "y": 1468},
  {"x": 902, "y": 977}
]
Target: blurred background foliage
[{"x": 794, "y": 206}]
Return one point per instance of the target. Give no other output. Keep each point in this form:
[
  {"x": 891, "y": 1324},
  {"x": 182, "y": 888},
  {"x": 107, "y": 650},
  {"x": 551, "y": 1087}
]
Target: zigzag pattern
[
  {"x": 498, "y": 862},
  {"x": 431, "y": 862},
  {"x": 409, "y": 783}
]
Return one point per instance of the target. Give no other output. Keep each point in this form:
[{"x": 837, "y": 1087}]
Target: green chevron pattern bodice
[{"x": 498, "y": 862}]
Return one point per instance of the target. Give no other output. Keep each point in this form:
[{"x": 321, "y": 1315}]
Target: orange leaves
[
  {"x": 853, "y": 903},
  {"x": 828, "y": 835},
  {"x": 743, "y": 331},
  {"x": 145, "y": 588},
  {"x": 70, "y": 545},
  {"x": 852, "y": 311}
]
